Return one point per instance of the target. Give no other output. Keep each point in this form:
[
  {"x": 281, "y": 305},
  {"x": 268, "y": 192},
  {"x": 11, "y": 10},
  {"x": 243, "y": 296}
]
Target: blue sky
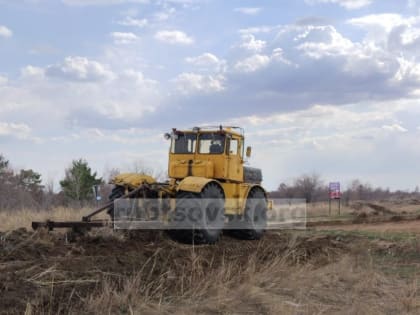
[{"x": 326, "y": 86}]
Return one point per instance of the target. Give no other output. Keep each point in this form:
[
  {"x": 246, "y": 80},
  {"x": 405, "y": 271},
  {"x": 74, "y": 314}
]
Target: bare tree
[
  {"x": 307, "y": 186},
  {"x": 284, "y": 191},
  {"x": 110, "y": 174}
]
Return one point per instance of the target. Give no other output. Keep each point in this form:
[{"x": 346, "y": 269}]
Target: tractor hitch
[{"x": 86, "y": 222}]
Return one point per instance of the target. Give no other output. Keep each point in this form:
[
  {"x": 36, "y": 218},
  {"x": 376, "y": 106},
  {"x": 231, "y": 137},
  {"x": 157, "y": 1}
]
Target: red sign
[
  {"x": 335, "y": 195},
  {"x": 334, "y": 190}
]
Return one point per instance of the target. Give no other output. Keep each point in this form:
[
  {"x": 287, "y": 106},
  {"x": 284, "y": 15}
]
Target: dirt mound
[
  {"x": 45, "y": 272},
  {"x": 380, "y": 208},
  {"x": 403, "y": 201},
  {"x": 370, "y": 208}
]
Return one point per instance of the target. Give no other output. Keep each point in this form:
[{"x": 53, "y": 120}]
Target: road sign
[
  {"x": 335, "y": 190},
  {"x": 335, "y": 194},
  {"x": 334, "y": 186}
]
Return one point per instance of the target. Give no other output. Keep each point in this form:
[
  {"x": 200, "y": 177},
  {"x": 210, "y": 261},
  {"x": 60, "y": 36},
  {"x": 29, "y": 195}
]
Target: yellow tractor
[
  {"x": 209, "y": 182},
  {"x": 209, "y": 190}
]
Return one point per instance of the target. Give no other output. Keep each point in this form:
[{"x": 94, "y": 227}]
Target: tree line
[
  {"x": 24, "y": 188},
  {"x": 314, "y": 189}
]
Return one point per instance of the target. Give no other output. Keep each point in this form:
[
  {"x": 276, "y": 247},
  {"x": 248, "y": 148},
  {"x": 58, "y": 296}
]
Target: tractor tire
[
  {"x": 199, "y": 217},
  {"x": 252, "y": 225},
  {"x": 116, "y": 193}
]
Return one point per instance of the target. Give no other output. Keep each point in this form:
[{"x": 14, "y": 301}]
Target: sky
[{"x": 320, "y": 86}]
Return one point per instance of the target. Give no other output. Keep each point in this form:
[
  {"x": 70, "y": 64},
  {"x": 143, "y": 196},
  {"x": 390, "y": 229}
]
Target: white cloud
[
  {"x": 79, "y": 93},
  {"x": 189, "y": 83},
  {"x": 253, "y": 63},
  {"x": 206, "y": 60},
  {"x": 386, "y": 21},
  {"x": 164, "y": 15},
  {"x": 250, "y": 43},
  {"x": 122, "y": 38},
  {"x": 392, "y": 31},
  {"x": 361, "y": 59},
  {"x": 101, "y": 2},
  {"x": 31, "y": 71},
  {"x": 137, "y": 78},
  {"x": 258, "y": 29},
  {"x": 79, "y": 69},
  {"x": 396, "y": 39},
  {"x": 174, "y": 37},
  {"x": 320, "y": 41},
  {"x": 10, "y": 128},
  {"x": 394, "y": 128},
  {"x": 408, "y": 72},
  {"x": 348, "y": 4},
  {"x": 410, "y": 36},
  {"x": 286, "y": 69},
  {"x": 278, "y": 55},
  {"x": 343, "y": 118},
  {"x": 312, "y": 139},
  {"x": 130, "y": 21},
  {"x": 5, "y": 32},
  {"x": 248, "y": 10},
  {"x": 17, "y": 130}
]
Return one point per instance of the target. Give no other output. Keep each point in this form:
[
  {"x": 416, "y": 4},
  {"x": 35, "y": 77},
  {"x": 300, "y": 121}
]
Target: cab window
[
  {"x": 233, "y": 147},
  {"x": 184, "y": 143},
  {"x": 211, "y": 143}
]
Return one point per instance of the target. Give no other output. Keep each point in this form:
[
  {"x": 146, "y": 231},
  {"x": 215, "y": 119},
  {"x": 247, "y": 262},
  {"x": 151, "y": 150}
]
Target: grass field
[{"x": 10, "y": 220}]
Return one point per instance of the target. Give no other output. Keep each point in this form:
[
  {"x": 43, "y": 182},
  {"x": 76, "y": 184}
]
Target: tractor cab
[{"x": 207, "y": 152}]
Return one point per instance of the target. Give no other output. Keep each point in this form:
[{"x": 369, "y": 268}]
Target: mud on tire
[
  {"x": 252, "y": 225},
  {"x": 198, "y": 217}
]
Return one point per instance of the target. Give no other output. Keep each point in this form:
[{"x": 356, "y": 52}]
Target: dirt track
[{"x": 400, "y": 227}]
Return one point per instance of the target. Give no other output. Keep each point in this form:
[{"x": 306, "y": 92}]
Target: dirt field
[
  {"x": 285, "y": 273},
  {"x": 353, "y": 269}
]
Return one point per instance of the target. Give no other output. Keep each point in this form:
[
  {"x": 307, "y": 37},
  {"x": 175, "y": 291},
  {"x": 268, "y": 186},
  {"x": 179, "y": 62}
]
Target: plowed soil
[
  {"x": 47, "y": 272},
  {"x": 105, "y": 272}
]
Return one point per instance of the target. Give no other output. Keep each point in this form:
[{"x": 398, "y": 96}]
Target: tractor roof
[{"x": 239, "y": 131}]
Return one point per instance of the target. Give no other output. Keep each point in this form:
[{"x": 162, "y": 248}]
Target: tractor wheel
[
  {"x": 198, "y": 217},
  {"x": 116, "y": 193},
  {"x": 252, "y": 225}
]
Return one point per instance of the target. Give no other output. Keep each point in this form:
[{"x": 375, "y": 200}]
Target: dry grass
[
  {"x": 317, "y": 209},
  {"x": 11, "y": 220},
  {"x": 351, "y": 285}
]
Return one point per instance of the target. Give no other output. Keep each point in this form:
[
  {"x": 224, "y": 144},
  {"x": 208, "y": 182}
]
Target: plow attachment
[
  {"x": 87, "y": 223},
  {"x": 75, "y": 225}
]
